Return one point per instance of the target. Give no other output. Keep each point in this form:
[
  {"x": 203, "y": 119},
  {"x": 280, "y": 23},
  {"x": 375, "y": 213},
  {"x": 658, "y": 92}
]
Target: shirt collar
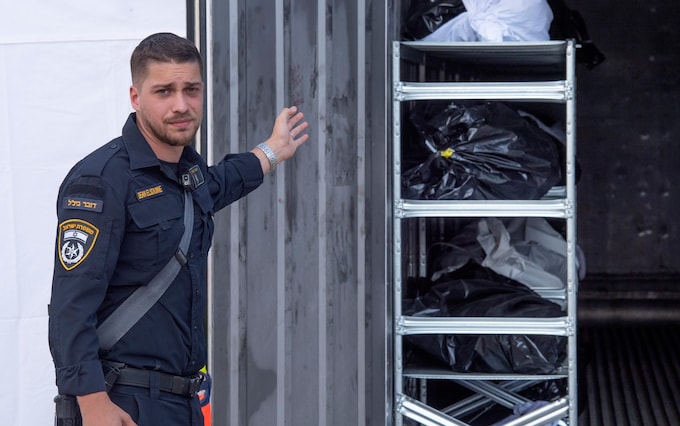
[{"x": 141, "y": 154}]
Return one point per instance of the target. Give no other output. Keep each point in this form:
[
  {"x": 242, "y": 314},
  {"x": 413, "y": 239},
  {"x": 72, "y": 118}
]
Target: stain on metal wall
[{"x": 298, "y": 267}]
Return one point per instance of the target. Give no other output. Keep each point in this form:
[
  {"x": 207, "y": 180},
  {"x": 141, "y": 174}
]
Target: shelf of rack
[{"x": 541, "y": 74}]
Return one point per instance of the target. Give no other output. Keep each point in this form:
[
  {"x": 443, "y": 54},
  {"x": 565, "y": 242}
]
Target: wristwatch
[{"x": 269, "y": 154}]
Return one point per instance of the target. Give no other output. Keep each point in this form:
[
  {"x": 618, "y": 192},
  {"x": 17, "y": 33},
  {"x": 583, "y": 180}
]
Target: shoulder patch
[
  {"x": 93, "y": 191},
  {"x": 76, "y": 240},
  {"x": 87, "y": 204}
]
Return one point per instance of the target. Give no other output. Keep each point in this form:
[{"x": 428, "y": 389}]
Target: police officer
[{"x": 120, "y": 220}]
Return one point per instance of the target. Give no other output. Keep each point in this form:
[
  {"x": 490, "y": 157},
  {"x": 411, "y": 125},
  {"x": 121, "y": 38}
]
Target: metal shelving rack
[{"x": 541, "y": 72}]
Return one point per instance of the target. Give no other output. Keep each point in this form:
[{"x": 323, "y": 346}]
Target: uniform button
[{"x": 113, "y": 146}]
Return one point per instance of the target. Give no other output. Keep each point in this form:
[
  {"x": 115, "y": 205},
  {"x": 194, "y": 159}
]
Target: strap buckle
[
  {"x": 188, "y": 386},
  {"x": 181, "y": 257},
  {"x": 114, "y": 371}
]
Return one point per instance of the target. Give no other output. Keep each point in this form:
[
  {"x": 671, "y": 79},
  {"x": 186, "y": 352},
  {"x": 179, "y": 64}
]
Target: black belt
[{"x": 178, "y": 385}]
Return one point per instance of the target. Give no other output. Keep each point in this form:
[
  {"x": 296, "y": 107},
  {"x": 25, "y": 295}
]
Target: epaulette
[{"x": 94, "y": 163}]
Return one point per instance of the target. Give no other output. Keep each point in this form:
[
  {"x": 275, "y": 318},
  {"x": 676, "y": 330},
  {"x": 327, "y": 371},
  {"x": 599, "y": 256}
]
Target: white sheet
[{"x": 64, "y": 79}]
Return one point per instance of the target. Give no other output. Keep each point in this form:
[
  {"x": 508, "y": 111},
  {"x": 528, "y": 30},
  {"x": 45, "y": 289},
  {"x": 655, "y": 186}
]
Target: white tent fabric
[{"x": 64, "y": 78}]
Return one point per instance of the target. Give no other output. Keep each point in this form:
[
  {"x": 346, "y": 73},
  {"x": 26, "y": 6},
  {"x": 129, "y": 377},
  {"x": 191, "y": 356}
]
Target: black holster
[{"x": 67, "y": 411}]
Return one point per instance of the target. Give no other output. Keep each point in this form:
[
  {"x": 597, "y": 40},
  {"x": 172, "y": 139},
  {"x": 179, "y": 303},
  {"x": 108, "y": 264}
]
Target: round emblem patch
[{"x": 76, "y": 240}]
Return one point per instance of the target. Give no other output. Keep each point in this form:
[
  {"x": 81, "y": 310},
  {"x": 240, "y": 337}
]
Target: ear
[{"x": 134, "y": 97}]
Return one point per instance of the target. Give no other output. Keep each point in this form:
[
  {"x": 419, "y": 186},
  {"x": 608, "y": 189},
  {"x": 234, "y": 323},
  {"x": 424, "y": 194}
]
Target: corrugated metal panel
[
  {"x": 631, "y": 375},
  {"x": 298, "y": 291}
]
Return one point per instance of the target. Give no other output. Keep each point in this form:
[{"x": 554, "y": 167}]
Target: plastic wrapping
[
  {"x": 527, "y": 250},
  {"x": 497, "y": 21},
  {"x": 478, "y": 151},
  {"x": 425, "y": 17},
  {"x": 475, "y": 297},
  {"x": 523, "y": 258},
  {"x": 526, "y": 408},
  {"x": 569, "y": 23}
]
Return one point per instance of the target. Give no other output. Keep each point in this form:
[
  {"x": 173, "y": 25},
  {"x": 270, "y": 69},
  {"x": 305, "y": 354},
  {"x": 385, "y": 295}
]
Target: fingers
[
  {"x": 302, "y": 139},
  {"x": 295, "y": 120},
  {"x": 291, "y": 123},
  {"x": 298, "y": 133},
  {"x": 296, "y": 125},
  {"x": 298, "y": 130}
]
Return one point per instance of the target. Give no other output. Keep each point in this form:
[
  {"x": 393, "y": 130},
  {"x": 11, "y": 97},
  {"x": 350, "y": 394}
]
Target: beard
[{"x": 163, "y": 130}]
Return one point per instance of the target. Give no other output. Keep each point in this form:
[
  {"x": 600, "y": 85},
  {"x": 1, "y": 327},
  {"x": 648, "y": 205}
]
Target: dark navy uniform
[{"x": 120, "y": 213}]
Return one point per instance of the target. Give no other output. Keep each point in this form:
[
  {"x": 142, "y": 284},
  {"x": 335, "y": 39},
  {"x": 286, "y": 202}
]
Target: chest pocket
[{"x": 153, "y": 235}]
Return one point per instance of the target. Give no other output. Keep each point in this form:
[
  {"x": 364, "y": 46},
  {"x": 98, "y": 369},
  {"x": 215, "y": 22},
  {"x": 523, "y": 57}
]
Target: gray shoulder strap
[{"x": 138, "y": 303}]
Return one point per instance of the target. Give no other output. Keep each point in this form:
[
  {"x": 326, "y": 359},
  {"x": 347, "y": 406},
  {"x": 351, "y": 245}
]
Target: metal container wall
[
  {"x": 298, "y": 273},
  {"x": 630, "y": 123}
]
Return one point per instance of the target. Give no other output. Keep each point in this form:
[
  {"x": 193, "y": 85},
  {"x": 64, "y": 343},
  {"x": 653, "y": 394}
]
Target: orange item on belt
[{"x": 204, "y": 397}]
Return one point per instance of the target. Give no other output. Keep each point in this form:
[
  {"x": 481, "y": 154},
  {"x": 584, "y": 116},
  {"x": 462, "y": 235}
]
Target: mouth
[{"x": 181, "y": 123}]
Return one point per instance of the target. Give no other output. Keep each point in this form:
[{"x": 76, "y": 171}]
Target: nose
[{"x": 180, "y": 103}]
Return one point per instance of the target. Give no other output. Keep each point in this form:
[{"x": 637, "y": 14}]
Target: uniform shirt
[{"x": 120, "y": 219}]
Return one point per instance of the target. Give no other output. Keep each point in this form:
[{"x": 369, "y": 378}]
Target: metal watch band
[{"x": 269, "y": 154}]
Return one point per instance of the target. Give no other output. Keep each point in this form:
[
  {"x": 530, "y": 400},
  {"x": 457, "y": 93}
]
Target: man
[{"x": 120, "y": 213}]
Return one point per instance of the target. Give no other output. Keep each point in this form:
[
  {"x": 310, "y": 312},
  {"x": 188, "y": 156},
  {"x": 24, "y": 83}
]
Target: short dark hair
[{"x": 162, "y": 47}]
